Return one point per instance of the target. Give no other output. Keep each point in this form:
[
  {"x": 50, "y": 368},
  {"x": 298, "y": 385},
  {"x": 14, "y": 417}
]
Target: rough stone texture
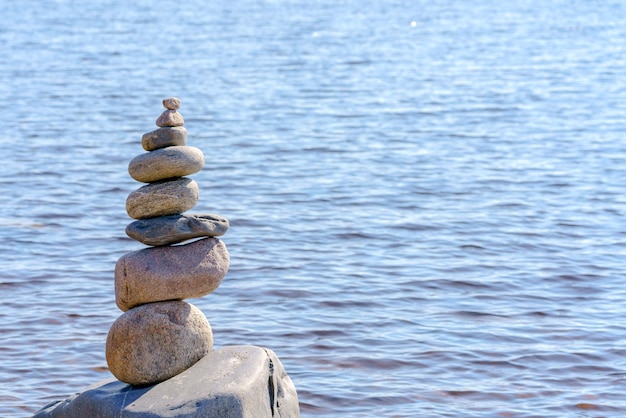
[
  {"x": 166, "y": 230},
  {"x": 166, "y": 273},
  {"x": 164, "y": 137},
  {"x": 165, "y": 163},
  {"x": 173, "y": 103},
  {"x": 154, "y": 342},
  {"x": 170, "y": 118},
  {"x": 231, "y": 382},
  {"x": 170, "y": 197}
]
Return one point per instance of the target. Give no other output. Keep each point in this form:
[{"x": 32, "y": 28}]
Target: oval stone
[
  {"x": 164, "y": 137},
  {"x": 170, "y": 197},
  {"x": 166, "y": 273},
  {"x": 154, "y": 342},
  {"x": 173, "y": 103},
  {"x": 166, "y": 163},
  {"x": 170, "y": 118},
  {"x": 166, "y": 230}
]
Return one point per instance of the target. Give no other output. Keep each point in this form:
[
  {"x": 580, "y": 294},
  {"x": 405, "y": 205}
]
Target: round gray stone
[
  {"x": 166, "y": 230},
  {"x": 165, "y": 163},
  {"x": 170, "y": 197},
  {"x": 154, "y": 342},
  {"x": 164, "y": 137},
  {"x": 166, "y": 273},
  {"x": 170, "y": 118}
]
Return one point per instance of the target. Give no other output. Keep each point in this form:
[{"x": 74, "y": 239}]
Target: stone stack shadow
[{"x": 159, "y": 335}]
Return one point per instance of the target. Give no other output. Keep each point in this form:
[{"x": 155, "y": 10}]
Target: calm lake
[{"x": 427, "y": 199}]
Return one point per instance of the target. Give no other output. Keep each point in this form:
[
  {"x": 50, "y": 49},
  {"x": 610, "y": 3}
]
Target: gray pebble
[
  {"x": 165, "y": 163},
  {"x": 163, "y": 198},
  {"x": 164, "y": 137},
  {"x": 166, "y": 230}
]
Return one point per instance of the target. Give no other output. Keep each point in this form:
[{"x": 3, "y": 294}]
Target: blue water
[{"x": 426, "y": 198}]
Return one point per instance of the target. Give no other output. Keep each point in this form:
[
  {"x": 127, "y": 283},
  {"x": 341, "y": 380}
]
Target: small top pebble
[{"x": 173, "y": 103}]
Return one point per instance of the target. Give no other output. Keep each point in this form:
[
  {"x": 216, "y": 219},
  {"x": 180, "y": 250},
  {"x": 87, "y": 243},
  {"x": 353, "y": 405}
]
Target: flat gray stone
[
  {"x": 165, "y": 273},
  {"x": 153, "y": 342},
  {"x": 231, "y": 382},
  {"x": 166, "y": 230},
  {"x": 173, "y": 103},
  {"x": 170, "y": 118},
  {"x": 168, "y": 197},
  {"x": 166, "y": 163},
  {"x": 164, "y": 137}
]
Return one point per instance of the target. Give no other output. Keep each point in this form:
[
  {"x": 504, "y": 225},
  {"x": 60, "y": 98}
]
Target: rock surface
[
  {"x": 166, "y": 230},
  {"x": 154, "y": 342},
  {"x": 163, "y": 198},
  {"x": 165, "y": 163},
  {"x": 166, "y": 273},
  {"x": 164, "y": 137},
  {"x": 170, "y": 118},
  {"x": 173, "y": 103},
  {"x": 231, "y": 382}
]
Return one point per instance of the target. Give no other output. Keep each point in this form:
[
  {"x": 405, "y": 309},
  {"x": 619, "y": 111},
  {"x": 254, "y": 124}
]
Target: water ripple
[{"x": 426, "y": 219}]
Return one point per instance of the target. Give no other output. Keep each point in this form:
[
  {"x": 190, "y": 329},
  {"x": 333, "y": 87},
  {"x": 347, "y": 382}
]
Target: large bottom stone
[
  {"x": 153, "y": 342},
  {"x": 232, "y": 382}
]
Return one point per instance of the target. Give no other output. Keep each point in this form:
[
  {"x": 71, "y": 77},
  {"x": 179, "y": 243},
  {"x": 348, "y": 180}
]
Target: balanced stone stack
[
  {"x": 160, "y": 350},
  {"x": 159, "y": 335}
]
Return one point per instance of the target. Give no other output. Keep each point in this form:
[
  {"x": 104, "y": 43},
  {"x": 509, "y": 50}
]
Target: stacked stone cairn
[
  {"x": 160, "y": 350},
  {"x": 159, "y": 335}
]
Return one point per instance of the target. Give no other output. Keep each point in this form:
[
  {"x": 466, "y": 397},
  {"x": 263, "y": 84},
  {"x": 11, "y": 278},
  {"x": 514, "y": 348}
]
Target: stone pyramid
[
  {"x": 159, "y": 335},
  {"x": 160, "y": 350}
]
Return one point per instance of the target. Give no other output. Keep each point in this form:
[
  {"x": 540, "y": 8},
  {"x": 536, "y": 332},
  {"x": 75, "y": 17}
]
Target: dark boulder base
[{"x": 231, "y": 382}]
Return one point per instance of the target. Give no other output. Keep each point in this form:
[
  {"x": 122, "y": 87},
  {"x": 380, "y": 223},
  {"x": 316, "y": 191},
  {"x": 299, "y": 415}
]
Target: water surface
[{"x": 426, "y": 200}]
